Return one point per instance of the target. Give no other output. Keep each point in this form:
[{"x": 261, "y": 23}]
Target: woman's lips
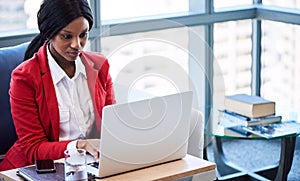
[{"x": 74, "y": 54}]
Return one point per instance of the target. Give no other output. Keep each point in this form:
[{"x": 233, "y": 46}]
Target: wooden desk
[{"x": 187, "y": 166}]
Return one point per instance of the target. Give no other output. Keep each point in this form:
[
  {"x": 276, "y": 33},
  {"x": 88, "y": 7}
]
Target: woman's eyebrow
[{"x": 67, "y": 31}]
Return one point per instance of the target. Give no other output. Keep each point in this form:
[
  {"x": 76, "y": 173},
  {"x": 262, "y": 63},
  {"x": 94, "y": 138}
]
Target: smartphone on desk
[{"x": 45, "y": 166}]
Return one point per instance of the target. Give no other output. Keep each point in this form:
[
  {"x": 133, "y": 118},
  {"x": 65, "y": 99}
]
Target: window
[
  {"x": 232, "y": 62},
  {"x": 18, "y": 21},
  {"x": 154, "y": 62},
  {"x": 31, "y": 8},
  {"x": 18, "y": 14},
  {"x": 117, "y": 9},
  {"x": 285, "y": 4},
  {"x": 232, "y": 51},
  {"x": 280, "y": 65},
  {"x": 230, "y": 37},
  {"x": 229, "y": 3}
]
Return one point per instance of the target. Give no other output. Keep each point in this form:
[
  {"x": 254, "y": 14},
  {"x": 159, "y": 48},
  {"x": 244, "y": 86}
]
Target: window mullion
[
  {"x": 96, "y": 30},
  {"x": 256, "y": 57}
]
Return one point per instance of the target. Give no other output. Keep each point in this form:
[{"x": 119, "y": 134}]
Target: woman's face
[{"x": 70, "y": 41}]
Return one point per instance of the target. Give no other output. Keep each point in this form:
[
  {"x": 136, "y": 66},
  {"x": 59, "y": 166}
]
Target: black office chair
[{"x": 10, "y": 57}]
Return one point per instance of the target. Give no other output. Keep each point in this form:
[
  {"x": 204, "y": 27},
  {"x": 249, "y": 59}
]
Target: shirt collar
[{"x": 57, "y": 72}]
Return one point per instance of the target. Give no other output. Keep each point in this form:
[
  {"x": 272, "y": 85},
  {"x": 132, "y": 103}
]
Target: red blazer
[{"x": 35, "y": 112}]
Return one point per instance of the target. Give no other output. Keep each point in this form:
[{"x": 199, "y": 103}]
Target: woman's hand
[{"x": 90, "y": 145}]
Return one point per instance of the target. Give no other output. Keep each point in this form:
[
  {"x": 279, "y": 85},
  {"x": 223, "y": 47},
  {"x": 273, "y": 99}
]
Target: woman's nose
[{"x": 75, "y": 43}]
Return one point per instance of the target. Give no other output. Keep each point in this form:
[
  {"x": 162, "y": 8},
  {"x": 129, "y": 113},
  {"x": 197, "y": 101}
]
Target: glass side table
[{"x": 228, "y": 171}]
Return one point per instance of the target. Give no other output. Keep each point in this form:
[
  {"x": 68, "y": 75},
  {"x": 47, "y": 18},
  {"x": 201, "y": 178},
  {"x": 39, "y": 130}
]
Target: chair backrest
[
  {"x": 10, "y": 57},
  {"x": 196, "y": 139}
]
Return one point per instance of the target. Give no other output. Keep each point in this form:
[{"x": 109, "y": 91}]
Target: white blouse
[{"x": 74, "y": 100}]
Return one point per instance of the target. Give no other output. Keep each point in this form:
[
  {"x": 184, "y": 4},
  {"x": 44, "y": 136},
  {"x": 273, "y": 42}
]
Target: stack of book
[{"x": 243, "y": 111}]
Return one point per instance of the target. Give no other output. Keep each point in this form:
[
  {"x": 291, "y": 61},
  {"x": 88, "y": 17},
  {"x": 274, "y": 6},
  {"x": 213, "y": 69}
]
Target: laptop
[{"x": 143, "y": 133}]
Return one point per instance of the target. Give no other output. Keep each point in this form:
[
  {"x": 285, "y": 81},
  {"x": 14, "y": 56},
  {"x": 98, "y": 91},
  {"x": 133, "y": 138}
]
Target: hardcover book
[
  {"x": 231, "y": 119},
  {"x": 236, "y": 131},
  {"x": 275, "y": 130},
  {"x": 250, "y": 106}
]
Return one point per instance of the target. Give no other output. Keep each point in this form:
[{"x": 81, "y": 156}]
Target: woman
[{"x": 58, "y": 92}]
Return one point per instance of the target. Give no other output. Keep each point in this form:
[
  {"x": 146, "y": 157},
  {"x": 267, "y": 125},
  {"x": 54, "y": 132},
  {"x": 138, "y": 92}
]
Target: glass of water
[{"x": 75, "y": 164}]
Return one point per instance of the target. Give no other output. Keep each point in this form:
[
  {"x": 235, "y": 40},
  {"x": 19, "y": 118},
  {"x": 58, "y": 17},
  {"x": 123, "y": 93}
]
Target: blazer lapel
[{"x": 92, "y": 74}]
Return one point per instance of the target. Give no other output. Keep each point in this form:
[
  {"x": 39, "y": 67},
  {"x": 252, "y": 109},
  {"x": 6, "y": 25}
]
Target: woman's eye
[
  {"x": 82, "y": 35},
  {"x": 66, "y": 36}
]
